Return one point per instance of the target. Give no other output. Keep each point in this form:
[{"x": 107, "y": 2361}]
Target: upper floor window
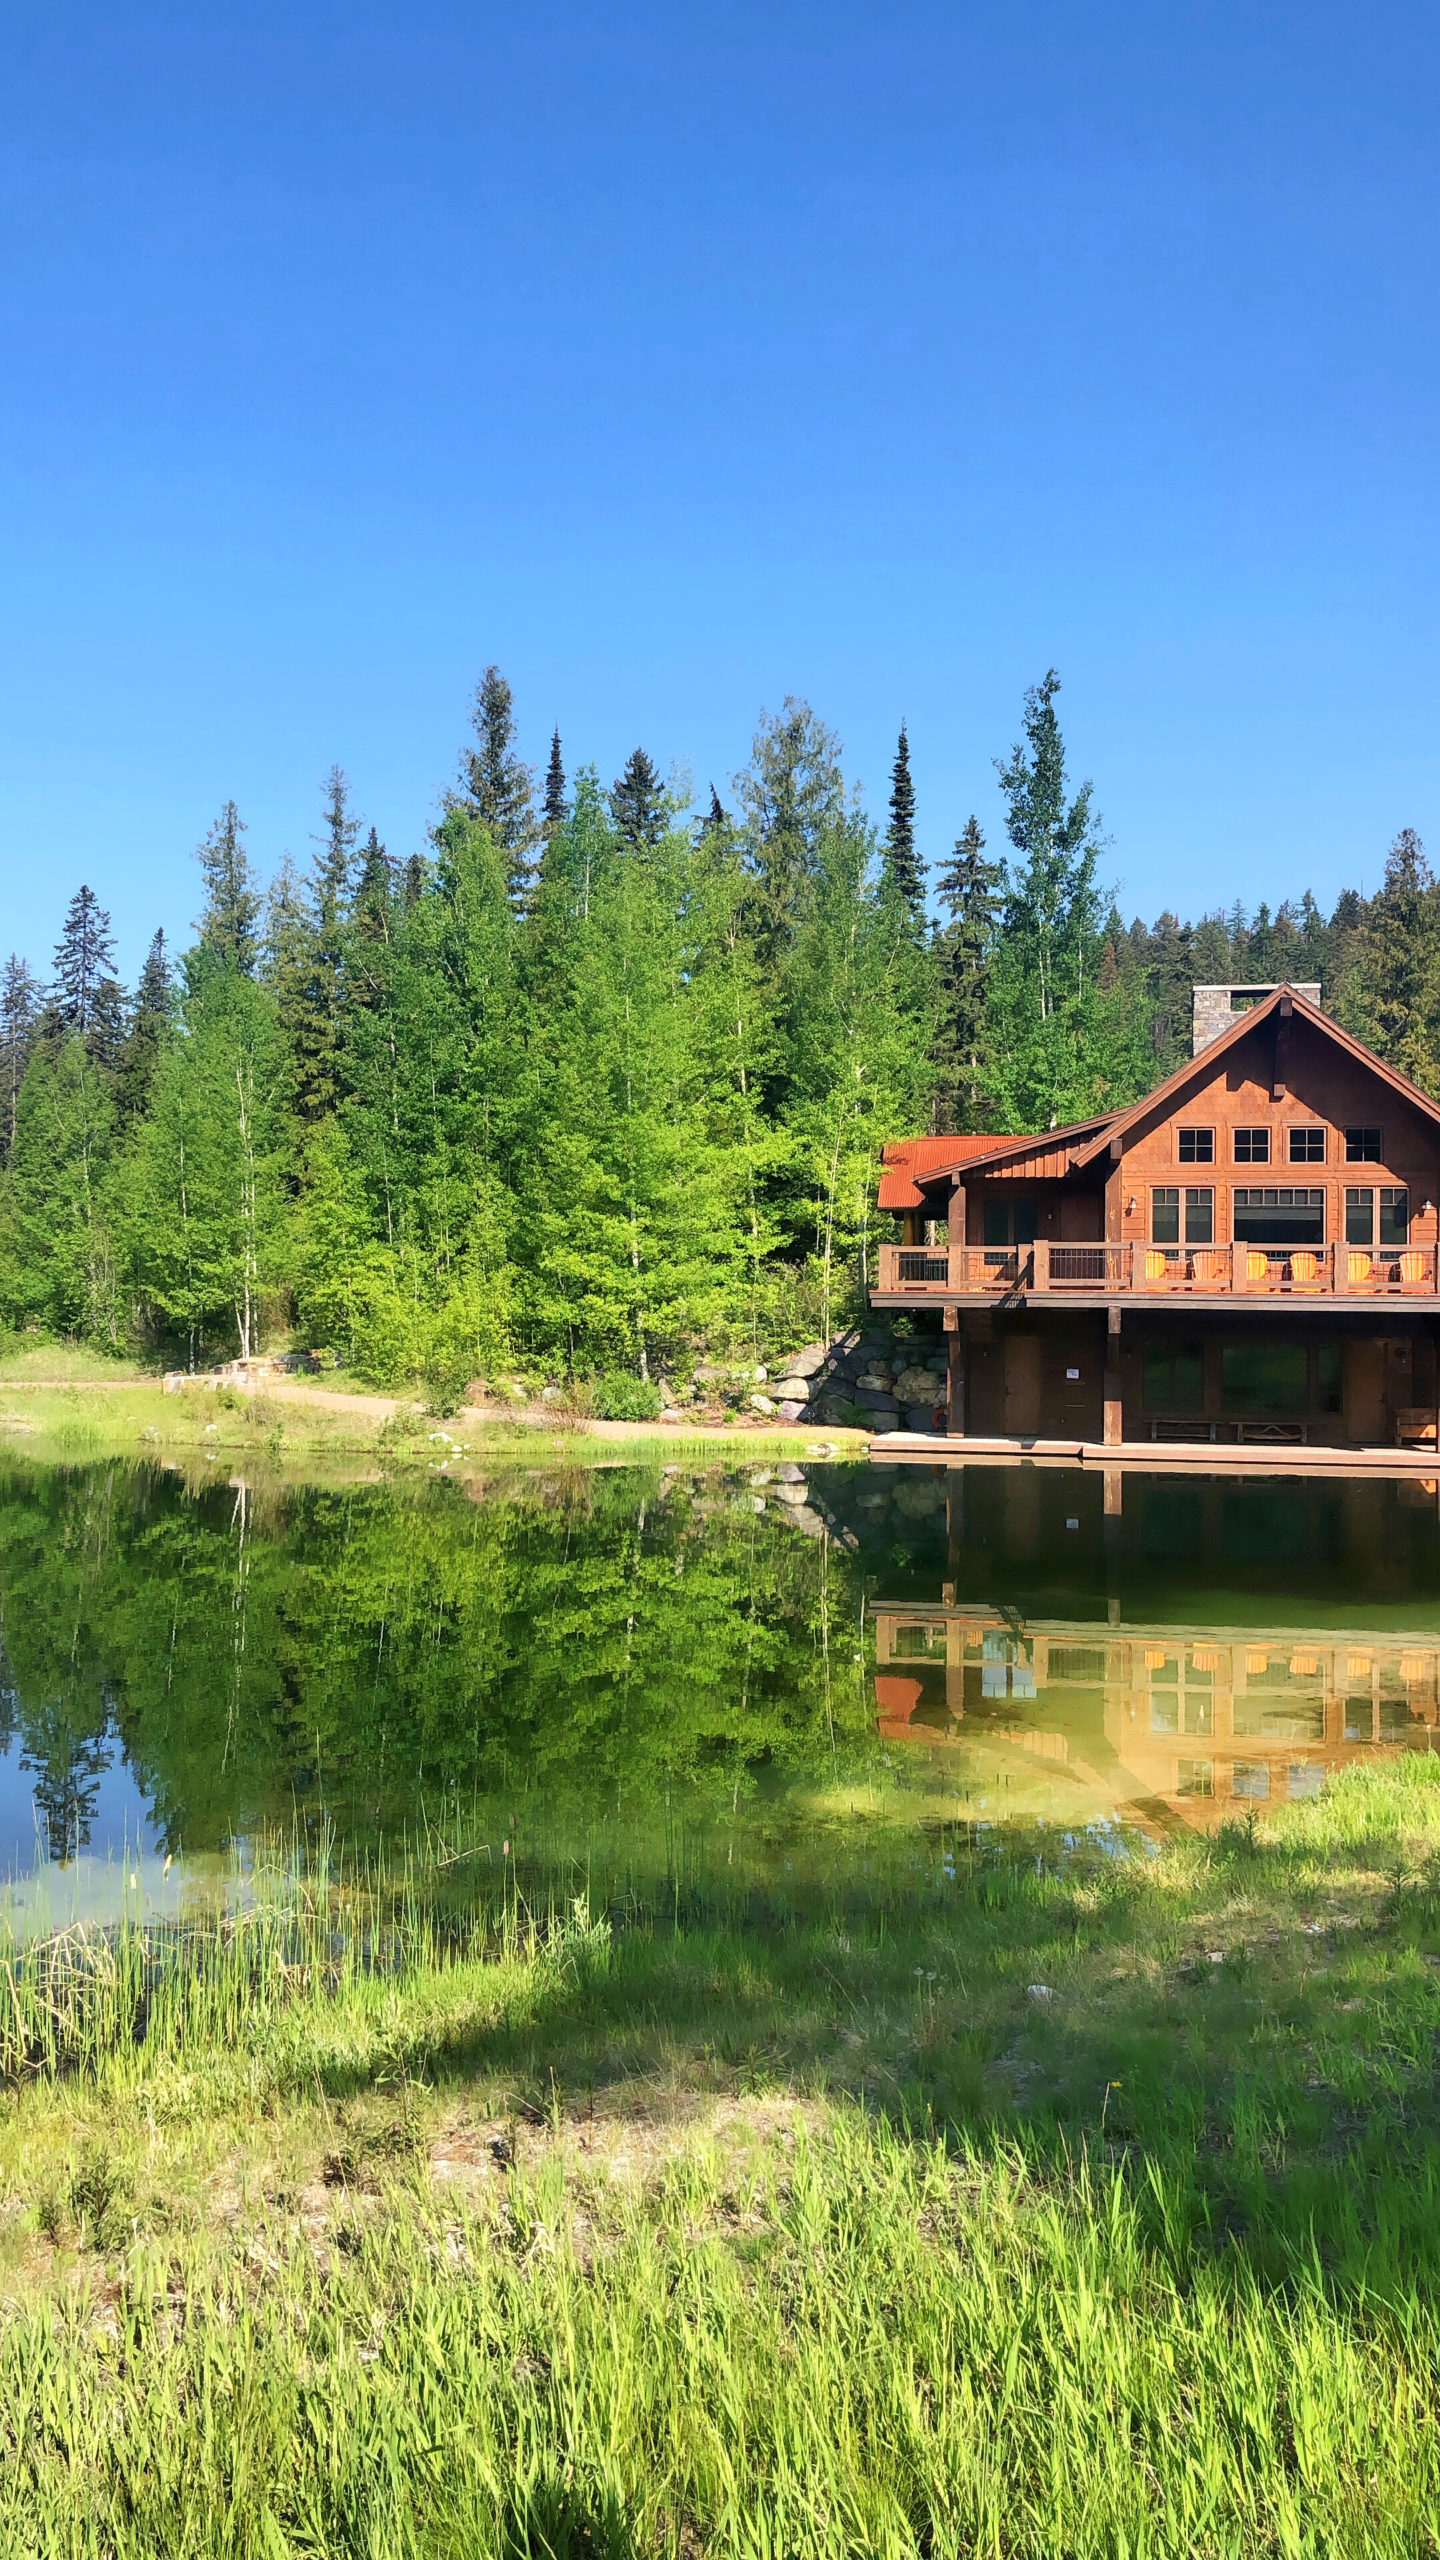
[
  {"x": 1362, "y": 1146},
  {"x": 1394, "y": 1216},
  {"x": 1307, "y": 1146},
  {"x": 1252, "y": 1146},
  {"x": 1165, "y": 1214},
  {"x": 1197, "y": 1146}
]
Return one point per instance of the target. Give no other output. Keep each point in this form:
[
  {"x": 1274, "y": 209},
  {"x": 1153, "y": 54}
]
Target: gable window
[
  {"x": 1307, "y": 1146},
  {"x": 1362, "y": 1146},
  {"x": 1278, "y": 1213},
  {"x": 1197, "y": 1146},
  {"x": 1252, "y": 1146}
]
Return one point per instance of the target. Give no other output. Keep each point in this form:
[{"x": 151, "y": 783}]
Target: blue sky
[{"x": 677, "y": 359}]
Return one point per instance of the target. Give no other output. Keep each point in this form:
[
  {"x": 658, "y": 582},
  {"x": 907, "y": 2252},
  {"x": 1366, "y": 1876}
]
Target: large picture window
[
  {"x": 1278, "y": 1213},
  {"x": 1264, "y": 1377},
  {"x": 1173, "y": 1377}
]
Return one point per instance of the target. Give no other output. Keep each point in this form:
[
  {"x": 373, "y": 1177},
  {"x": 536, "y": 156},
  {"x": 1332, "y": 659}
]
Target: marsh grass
[{"x": 1077, "y": 2205}]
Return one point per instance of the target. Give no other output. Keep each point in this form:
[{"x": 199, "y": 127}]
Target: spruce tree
[
  {"x": 495, "y": 787},
  {"x": 83, "y": 991},
  {"x": 901, "y": 860},
  {"x": 373, "y": 910},
  {"x": 148, "y": 1030},
  {"x": 1399, "y": 976},
  {"x": 637, "y": 801},
  {"x": 20, "y": 1005},
  {"x": 792, "y": 795},
  {"x": 229, "y": 927},
  {"x": 557, "y": 807},
  {"x": 717, "y": 817},
  {"x": 969, "y": 891}
]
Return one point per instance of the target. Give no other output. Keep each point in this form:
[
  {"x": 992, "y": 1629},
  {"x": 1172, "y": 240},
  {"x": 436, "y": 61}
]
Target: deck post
[
  {"x": 1040, "y": 1264},
  {"x": 1114, "y": 1431},
  {"x": 955, "y": 1347}
]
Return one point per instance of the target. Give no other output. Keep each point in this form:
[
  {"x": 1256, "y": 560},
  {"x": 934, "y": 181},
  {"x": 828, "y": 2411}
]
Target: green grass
[
  {"x": 403, "y": 2212},
  {"x": 64, "y": 1402}
]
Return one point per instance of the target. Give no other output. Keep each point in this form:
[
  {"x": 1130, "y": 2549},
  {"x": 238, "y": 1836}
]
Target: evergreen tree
[
  {"x": 229, "y": 927},
  {"x": 901, "y": 859},
  {"x": 557, "y": 808},
  {"x": 969, "y": 892},
  {"x": 638, "y": 802},
  {"x": 20, "y": 1007},
  {"x": 1171, "y": 977},
  {"x": 496, "y": 788},
  {"x": 1063, "y": 1046},
  {"x": 1399, "y": 976},
  {"x": 84, "y": 967},
  {"x": 308, "y": 934},
  {"x": 373, "y": 913},
  {"x": 791, "y": 795},
  {"x": 149, "y": 1028},
  {"x": 716, "y": 820}
]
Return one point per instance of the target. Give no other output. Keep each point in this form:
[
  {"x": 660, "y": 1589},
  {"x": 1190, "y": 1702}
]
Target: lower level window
[
  {"x": 1173, "y": 1377},
  {"x": 1264, "y": 1377}
]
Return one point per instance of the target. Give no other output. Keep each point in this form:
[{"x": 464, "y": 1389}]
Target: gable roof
[
  {"x": 1191, "y": 1070},
  {"x": 949, "y": 1155},
  {"x": 908, "y": 1159}
]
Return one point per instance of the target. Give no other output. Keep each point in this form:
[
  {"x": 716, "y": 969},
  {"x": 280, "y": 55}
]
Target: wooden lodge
[{"x": 1251, "y": 1253}]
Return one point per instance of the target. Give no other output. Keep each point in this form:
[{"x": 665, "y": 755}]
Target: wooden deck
[{"x": 1239, "y": 1277}]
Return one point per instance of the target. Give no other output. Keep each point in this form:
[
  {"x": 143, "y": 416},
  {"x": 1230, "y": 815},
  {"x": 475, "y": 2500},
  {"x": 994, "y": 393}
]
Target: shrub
[{"x": 620, "y": 1398}]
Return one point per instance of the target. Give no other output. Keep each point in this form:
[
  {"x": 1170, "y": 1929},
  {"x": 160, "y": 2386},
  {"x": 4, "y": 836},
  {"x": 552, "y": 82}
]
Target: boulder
[
  {"x": 912, "y": 1386},
  {"x": 804, "y": 1364},
  {"x": 921, "y": 1417},
  {"x": 760, "y": 1404},
  {"x": 876, "y": 1405},
  {"x": 791, "y": 1386},
  {"x": 790, "y": 1409}
]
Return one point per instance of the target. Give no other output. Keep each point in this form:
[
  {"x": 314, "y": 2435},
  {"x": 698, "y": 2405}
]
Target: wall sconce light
[{"x": 1129, "y": 1208}]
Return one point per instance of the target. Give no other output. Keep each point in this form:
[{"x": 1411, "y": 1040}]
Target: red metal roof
[{"x": 909, "y": 1156}]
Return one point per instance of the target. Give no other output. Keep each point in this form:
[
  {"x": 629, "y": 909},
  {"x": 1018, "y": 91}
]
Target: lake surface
[{"x": 791, "y": 1678}]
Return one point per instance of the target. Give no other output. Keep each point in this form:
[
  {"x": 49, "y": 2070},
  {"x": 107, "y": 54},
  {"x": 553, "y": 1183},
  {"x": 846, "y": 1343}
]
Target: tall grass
[{"x": 1087, "y": 2208}]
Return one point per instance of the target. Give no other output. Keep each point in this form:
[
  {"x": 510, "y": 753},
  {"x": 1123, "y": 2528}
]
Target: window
[
  {"x": 1394, "y": 1217},
  {"x": 1252, "y": 1778},
  {"x": 1307, "y": 1146},
  {"x": 1197, "y": 1146},
  {"x": 1264, "y": 1377},
  {"x": 1195, "y": 1778},
  {"x": 1165, "y": 1215},
  {"x": 1199, "y": 1216},
  {"x": 1278, "y": 1213},
  {"x": 1252, "y": 1146},
  {"x": 1359, "y": 1215},
  {"x": 1009, "y": 1223},
  {"x": 1173, "y": 1377},
  {"x": 1362, "y": 1146},
  {"x": 1329, "y": 1396}
]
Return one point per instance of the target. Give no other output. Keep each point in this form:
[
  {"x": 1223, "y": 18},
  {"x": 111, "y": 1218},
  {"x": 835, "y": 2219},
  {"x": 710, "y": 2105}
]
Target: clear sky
[{"x": 678, "y": 358}]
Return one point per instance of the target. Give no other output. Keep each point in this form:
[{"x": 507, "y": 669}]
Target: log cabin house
[{"x": 1249, "y": 1253}]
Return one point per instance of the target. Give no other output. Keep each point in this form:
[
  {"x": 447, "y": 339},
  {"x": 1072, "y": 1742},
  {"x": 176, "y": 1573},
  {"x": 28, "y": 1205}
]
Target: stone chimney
[{"x": 1215, "y": 1008}]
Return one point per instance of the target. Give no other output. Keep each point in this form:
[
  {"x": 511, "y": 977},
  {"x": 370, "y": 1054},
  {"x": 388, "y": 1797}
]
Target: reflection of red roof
[{"x": 909, "y": 1156}]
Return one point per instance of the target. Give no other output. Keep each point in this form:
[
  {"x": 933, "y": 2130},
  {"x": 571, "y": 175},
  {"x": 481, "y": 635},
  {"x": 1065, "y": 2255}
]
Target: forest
[{"x": 598, "y": 1080}]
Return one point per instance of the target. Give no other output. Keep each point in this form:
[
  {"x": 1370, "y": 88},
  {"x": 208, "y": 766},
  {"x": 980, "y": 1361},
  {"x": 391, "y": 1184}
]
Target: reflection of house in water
[{"x": 1201, "y": 1725}]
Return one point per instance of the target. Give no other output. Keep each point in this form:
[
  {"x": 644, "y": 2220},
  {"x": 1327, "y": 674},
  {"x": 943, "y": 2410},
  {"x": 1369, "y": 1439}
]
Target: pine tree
[
  {"x": 557, "y": 808},
  {"x": 312, "y": 929},
  {"x": 149, "y": 1028},
  {"x": 638, "y": 803},
  {"x": 82, "y": 994},
  {"x": 20, "y": 1005},
  {"x": 229, "y": 928},
  {"x": 969, "y": 891},
  {"x": 495, "y": 787},
  {"x": 901, "y": 859},
  {"x": 717, "y": 817}
]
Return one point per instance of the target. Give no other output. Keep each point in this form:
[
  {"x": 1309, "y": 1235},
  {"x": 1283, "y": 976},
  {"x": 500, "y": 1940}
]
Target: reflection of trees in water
[{"x": 67, "y": 1768}]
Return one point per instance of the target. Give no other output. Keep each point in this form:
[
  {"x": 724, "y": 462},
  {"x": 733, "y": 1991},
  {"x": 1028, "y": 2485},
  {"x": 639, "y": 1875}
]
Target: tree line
[{"x": 598, "y": 1077}]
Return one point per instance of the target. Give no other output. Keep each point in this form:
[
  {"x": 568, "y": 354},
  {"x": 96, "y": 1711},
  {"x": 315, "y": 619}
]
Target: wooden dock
[{"x": 1166, "y": 1457}]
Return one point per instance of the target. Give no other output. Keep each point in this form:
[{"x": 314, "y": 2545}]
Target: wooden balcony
[{"x": 1077, "y": 1274}]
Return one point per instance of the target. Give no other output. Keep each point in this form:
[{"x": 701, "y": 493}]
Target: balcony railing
[{"x": 1159, "y": 1271}]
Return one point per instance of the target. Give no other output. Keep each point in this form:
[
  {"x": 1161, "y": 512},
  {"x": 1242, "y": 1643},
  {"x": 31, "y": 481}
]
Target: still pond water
[{"x": 793, "y": 1679}]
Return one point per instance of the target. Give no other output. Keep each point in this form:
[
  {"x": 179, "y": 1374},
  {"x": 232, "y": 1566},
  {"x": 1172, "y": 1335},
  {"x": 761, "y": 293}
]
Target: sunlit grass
[{"x": 1008, "y": 2204}]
